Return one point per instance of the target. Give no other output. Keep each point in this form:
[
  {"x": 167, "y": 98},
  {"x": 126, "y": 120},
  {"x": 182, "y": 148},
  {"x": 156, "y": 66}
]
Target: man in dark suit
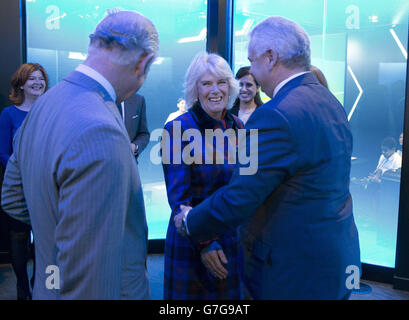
[
  {"x": 134, "y": 109},
  {"x": 299, "y": 239}
]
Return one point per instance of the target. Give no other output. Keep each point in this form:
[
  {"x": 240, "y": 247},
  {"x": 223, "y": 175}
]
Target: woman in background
[
  {"x": 319, "y": 75},
  {"x": 249, "y": 96},
  {"x": 207, "y": 270},
  {"x": 28, "y": 83},
  {"x": 181, "y": 110}
]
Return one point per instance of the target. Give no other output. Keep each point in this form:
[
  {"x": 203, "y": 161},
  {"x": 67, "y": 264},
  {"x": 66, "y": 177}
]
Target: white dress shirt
[
  {"x": 394, "y": 162},
  {"x": 282, "y": 83},
  {"x": 98, "y": 78}
]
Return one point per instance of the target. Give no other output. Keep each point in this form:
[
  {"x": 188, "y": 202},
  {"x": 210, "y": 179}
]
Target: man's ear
[
  {"x": 272, "y": 57},
  {"x": 143, "y": 63}
]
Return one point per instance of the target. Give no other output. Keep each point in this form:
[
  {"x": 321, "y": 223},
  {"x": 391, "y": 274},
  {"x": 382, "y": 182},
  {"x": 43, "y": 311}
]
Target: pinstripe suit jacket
[{"x": 74, "y": 178}]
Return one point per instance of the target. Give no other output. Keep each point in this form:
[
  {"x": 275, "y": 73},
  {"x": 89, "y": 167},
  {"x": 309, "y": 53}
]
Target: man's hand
[
  {"x": 178, "y": 219},
  {"x": 212, "y": 257},
  {"x": 134, "y": 149}
]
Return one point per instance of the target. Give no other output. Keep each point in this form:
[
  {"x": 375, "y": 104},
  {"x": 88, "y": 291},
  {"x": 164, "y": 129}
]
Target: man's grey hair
[
  {"x": 208, "y": 63},
  {"x": 123, "y": 36},
  {"x": 286, "y": 38}
]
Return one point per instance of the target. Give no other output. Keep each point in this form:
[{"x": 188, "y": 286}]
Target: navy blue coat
[
  {"x": 186, "y": 277},
  {"x": 298, "y": 232}
]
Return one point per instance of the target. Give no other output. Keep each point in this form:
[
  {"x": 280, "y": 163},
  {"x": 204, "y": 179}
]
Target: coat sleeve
[
  {"x": 94, "y": 190},
  {"x": 13, "y": 200},
  {"x": 176, "y": 172},
  {"x": 275, "y": 155},
  {"x": 142, "y": 136}
]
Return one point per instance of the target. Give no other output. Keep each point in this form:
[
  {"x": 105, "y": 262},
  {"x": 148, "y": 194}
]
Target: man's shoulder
[
  {"x": 73, "y": 109},
  {"x": 66, "y": 96},
  {"x": 264, "y": 112},
  {"x": 304, "y": 99}
]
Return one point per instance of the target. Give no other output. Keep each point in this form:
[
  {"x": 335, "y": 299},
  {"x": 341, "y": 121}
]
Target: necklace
[{"x": 24, "y": 108}]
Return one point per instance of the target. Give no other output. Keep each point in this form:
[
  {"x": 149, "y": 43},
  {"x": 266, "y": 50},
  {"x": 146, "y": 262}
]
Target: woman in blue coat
[
  {"x": 198, "y": 168},
  {"x": 28, "y": 83}
]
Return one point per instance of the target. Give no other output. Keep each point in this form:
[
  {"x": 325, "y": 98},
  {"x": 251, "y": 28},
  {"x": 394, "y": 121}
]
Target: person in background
[
  {"x": 319, "y": 75},
  {"x": 390, "y": 161},
  {"x": 28, "y": 83},
  {"x": 73, "y": 175},
  {"x": 209, "y": 269},
  {"x": 181, "y": 110},
  {"x": 399, "y": 151},
  {"x": 249, "y": 95},
  {"x": 133, "y": 111}
]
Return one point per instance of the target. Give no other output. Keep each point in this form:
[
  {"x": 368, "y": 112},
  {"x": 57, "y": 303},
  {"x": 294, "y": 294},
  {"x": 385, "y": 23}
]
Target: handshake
[{"x": 180, "y": 220}]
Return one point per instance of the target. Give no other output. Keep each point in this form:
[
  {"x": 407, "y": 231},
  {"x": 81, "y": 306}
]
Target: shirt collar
[
  {"x": 97, "y": 77},
  {"x": 282, "y": 83}
]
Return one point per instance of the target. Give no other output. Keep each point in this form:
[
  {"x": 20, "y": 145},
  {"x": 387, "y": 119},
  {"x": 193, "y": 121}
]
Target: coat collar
[
  {"x": 204, "y": 121},
  {"x": 306, "y": 78},
  {"x": 84, "y": 81}
]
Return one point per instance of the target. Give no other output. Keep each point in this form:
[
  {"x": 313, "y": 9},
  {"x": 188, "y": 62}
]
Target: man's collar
[
  {"x": 282, "y": 83},
  {"x": 97, "y": 77}
]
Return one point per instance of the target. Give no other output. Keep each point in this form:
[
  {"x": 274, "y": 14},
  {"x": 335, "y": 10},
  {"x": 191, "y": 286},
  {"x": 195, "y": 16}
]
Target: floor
[{"x": 370, "y": 290}]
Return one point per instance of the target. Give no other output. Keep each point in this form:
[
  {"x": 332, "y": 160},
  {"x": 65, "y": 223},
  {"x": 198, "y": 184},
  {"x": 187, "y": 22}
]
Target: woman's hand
[{"x": 213, "y": 257}]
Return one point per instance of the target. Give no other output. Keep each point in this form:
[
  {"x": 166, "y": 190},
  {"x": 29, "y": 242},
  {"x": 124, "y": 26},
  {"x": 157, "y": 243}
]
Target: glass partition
[
  {"x": 361, "y": 48},
  {"x": 57, "y": 38}
]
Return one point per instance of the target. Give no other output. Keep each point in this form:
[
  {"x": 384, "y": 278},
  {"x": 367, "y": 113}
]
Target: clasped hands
[{"x": 212, "y": 256}]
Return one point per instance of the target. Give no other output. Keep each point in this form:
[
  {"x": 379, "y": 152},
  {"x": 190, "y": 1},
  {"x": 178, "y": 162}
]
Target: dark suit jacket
[
  {"x": 135, "y": 121},
  {"x": 299, "y": 234}
]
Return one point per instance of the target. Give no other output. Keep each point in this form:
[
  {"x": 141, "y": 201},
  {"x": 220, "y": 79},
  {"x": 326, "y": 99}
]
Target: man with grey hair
[
  {"x": 299, "y": 239},
  {"x": 73, "y": 175}
]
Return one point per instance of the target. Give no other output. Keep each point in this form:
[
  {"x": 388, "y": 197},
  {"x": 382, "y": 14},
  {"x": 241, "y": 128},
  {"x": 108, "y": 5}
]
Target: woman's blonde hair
[{"x": 208, "y": 62}]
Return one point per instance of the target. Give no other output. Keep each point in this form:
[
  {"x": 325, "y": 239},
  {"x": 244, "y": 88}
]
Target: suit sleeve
[
  {"x": 13, "y": 200},
  {"x": 142, "y": 137},
  {"x": 94, "y": 190},
  {"x": 12, "y": 196},
  {"x": 177, "y": 174},
  {"x": 232, "y": 205}
]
